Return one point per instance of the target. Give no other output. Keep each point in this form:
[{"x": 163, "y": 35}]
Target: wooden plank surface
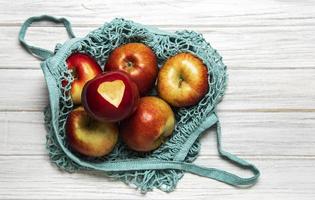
[
  {"x": 286, "y": 47},
  {"x": 35, "y": 175},
  {"x": 261, "y": 89},
  {"x": 172, "y": 12},
  {"x": 267, "y": 115},
  {"x": 244, "y": 133}
]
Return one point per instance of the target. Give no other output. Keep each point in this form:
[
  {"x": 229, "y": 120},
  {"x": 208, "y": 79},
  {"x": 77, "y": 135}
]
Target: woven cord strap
[
  {"x": 38, "y": 52},
  {"x": 138, "y": 164},
  {"x": 156, "y": 164},
  {"x": 231, "y": 178},
  {"x": 213, "y": 173}
]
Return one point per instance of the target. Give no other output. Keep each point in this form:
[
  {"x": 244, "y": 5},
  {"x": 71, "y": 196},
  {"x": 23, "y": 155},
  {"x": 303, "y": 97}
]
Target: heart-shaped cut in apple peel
[{"x": 112, "y": 91}]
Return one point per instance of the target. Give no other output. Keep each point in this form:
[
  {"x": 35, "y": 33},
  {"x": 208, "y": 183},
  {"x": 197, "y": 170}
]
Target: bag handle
[
  {"x": 213, "y": 173},
  {"x": 156, "y": 164},
  {"x": 225, "y": 176},
  {"x": 38, "y": 52}
]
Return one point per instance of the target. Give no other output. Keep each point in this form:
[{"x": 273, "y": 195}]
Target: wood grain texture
[
  {"x": 259, "y": 90},
  {"x": 242, "y": 48},
  {"x": 267, "y": 115},
  {"x": 245, "y": 134},
  {"x": 36, "y": 178},
  {"x": 167, "y": 12}
]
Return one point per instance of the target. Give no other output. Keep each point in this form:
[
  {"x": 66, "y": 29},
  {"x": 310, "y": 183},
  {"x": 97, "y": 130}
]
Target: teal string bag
[{"x": 165, "y": 166}]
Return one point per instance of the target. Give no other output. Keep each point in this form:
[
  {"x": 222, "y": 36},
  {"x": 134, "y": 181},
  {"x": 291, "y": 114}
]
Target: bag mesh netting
[{"x": 163, "y": 167}]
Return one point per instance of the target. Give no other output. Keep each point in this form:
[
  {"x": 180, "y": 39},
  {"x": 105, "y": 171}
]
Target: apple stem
[
  {"x": 181, "y": 79},
  {"x": 129, "y": 64}
]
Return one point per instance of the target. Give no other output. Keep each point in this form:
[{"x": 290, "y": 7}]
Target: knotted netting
[{"x": 99, "y": 44}]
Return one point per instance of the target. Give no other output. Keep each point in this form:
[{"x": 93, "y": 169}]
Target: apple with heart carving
[
  {"x": 83, "y": 68},
  {"x": 110, "y": 97}
]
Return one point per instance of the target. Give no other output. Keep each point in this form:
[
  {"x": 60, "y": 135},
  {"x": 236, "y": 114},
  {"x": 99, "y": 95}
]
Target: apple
[
  {"x": 149, "y": 126},
  {"x": 110, "y": 97},
  {"x": 137, "y": 60},
  {"x": 88, "y": 136},
  {"x": 83, "y": 68},
  {"x": 183, "y": 80}
]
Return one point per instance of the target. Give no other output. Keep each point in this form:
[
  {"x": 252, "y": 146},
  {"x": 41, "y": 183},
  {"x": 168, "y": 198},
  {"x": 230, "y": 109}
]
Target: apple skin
[
  {"x": 104, "y": 109},
  {"x": 137, "y": 60},
  {"x": 83, "y": 68},
  {"x": 149, "y": 126},
  {"x": 88, "y": 136},
  {"x": 183, "y": 80}
]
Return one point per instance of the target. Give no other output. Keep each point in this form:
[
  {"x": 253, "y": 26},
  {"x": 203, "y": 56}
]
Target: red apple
[
  {"x": 183, "y": 80},
  {"x": 110, "y": 97},
  {"x": 137, "y": 60},
  {"x": 83, "y": 68},
  {"x": 88, "y": 136},
  {"x": 149, "y": 126}
]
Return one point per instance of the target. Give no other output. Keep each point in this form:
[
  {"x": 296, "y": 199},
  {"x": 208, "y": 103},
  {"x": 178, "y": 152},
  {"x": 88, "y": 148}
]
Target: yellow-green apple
[
  {"x": 139, "y": 61},
  {"x": 149, "y": 126},
  {"x": 183, "y": 80},
  {"x": 83, "y": 68},
  {"x": 89, "y": 136},
  {"x": 110, "y": 97}
]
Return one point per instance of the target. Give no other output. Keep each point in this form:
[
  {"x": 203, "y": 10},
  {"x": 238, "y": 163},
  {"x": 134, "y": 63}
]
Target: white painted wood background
[{"x": 268, "y": 113}]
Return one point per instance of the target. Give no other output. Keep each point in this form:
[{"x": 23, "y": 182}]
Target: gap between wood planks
[
  {"x": 204, "y": 157},
  {"x": 271, "y": 110},
  {"x": 181, "y": 26}
]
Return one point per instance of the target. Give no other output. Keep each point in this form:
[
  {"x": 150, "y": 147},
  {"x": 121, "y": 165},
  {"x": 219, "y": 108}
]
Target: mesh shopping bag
[{"x": 163, "y": 167}]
